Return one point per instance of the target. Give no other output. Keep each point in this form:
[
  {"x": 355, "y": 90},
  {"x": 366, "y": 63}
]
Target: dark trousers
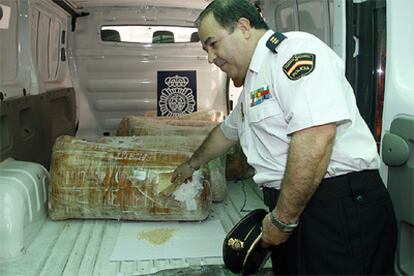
[{"x": 348, "y": 227}]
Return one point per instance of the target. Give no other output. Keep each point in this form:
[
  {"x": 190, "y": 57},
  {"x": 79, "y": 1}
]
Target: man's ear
[{"x": 244, "y": 25}]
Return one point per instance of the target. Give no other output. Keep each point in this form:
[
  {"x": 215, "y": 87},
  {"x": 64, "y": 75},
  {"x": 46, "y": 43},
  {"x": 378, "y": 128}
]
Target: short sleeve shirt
[{"x": 275, "y": 103}]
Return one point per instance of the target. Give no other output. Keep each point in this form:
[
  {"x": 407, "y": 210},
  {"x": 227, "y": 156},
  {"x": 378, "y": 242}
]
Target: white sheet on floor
[{"x": 190, "y": 240}]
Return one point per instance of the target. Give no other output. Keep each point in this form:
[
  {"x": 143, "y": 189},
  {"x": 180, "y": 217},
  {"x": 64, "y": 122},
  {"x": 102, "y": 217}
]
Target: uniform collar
[{"x": 259, "y": 54}]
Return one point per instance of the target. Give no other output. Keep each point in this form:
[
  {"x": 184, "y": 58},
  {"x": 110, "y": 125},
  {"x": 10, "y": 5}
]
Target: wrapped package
[
  {"x": 180, "y": 133},
  {"x": 102, "y": 180},
  {"x": 206, "y": 115},
  {"x": 179, "y": 144},
  {"x": 140, "y": 126},
  {"x": 218, "y": 181},
  {"x": 183, "y": 144}
]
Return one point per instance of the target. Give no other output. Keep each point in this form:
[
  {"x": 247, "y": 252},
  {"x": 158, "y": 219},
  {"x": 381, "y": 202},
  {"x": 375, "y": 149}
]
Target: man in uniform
[{"x": 315, "y": 158}]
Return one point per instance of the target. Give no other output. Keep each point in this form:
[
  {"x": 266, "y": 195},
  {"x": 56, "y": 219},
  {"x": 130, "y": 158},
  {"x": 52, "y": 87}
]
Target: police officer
[{"x": 315, "y": 158}]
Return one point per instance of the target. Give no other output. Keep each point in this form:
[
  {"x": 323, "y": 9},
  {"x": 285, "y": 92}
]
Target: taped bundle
[
  {"x": 179, "y": 133},
  {"x": 180, "y": 144},
  {"x": 204, "y": 115},
  {"x": 94, "y": 179},
  {"x": 140, "y": 126}
]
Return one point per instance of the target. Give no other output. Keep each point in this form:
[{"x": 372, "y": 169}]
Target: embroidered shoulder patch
[{"x": 299, "y": 65}]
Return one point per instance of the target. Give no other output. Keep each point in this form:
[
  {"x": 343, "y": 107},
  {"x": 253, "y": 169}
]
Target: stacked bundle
[
  {"x": 147, "y": 126},
  {"x": 207, "y": 116},
  {"x": 181, "y": 134},
  {"x": 102, "y": 179}
]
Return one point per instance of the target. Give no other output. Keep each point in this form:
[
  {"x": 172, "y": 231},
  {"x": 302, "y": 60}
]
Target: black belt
[{"x": 335, "y": 187}]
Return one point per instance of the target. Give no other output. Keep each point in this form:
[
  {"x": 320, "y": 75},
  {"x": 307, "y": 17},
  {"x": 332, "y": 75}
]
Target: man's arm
[
  {"x": 308, "y": 158},
  {"x": 213, "y": 146}
]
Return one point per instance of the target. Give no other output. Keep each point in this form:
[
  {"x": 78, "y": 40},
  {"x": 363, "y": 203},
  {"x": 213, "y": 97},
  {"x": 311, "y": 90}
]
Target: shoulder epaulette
[{"x": 274, "y": 41}]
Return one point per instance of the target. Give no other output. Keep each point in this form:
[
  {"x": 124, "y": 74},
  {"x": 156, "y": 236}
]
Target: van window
[
  {"x": 312, "y": 16},
  {"x": 149, "y": 34},
  {"x": 285, "y": 19},
  {"x": 110, "y": 35}
]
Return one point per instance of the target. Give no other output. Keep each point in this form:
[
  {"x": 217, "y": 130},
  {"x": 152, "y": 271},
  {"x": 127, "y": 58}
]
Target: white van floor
[{"x": 83, "y": 247}]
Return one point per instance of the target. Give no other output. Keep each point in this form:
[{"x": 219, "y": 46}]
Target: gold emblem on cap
[{"x": 235, "y": 244}]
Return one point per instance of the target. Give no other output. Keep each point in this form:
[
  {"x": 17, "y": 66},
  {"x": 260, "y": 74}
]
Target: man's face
[{"x": 225, "y": 50}]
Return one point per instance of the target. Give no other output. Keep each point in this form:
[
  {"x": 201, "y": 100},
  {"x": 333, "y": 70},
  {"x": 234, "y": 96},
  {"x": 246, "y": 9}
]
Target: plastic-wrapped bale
[
  {"x": 217, "y": 167},
  {"x": 204, "y": 115},
  {"x": 218, "y": 181},
  {"x": 187, "y": 144},
  {"x": 97, "y": 180},
  {"x": 140, "y": 126},
  {"x": 180, "y": 144}
]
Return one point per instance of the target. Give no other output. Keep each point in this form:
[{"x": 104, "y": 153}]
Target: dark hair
[{"x": 228, "y": 12}]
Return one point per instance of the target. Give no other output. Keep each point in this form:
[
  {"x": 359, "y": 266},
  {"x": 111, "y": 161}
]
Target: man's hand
[
  {"x": 213, "y": 146},
  {"x": 181, "y": 174},
  {"x": 271, "y": 235}
]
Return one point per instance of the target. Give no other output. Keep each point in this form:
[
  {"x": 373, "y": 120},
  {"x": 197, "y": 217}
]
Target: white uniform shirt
[{"x": 323, "y": 96}]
